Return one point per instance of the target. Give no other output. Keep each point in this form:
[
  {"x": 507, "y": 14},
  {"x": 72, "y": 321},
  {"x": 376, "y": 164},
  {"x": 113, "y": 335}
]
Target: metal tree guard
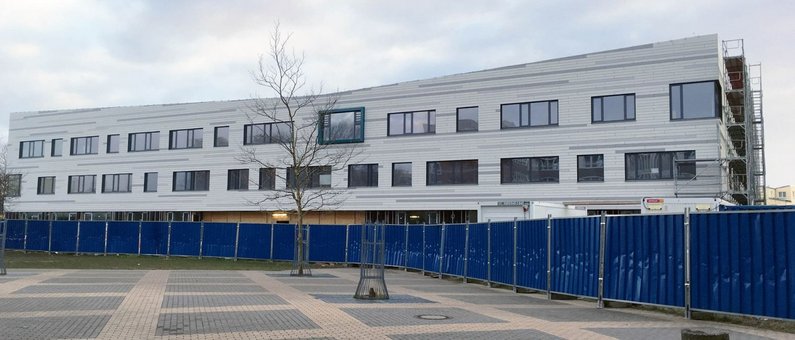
[
  {"x": 300, "y": 252},
  {"x": 371, "y": 281}
]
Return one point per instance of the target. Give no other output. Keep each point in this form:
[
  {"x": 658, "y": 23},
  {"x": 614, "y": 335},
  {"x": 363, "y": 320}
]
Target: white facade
[{"x": 645, "y": 71}]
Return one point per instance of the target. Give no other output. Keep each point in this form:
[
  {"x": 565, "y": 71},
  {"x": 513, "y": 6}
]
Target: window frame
[
  {"x": 529, "y": 170},
  {"x": 190, "y": 143},
  {"x": 410, "y": 174},
  {"x": 372, "y": 175},
  {"x": 602, "y": 108},
  {"x": 15, "y": 185},
  {"x": 88, "y": 147},
  {"x": 717, "y": 103},
  {"x": 109, "y": 143},
  {"x": 240, "y": 183},
  {"x": 69, "y": 189},
  {"x": 458, "y": 119},
  {"x": 192, "y": 182},
  {"x": 42, "y": 184},
  {"x": 428, "y": 172},
  {"x": 147, "y": 181},
  {"x": 33, "y": 153},
  {"x": 215, "y": 136},
  {"x": 248, "y": 130},
  {"x": 530, "y": 114},
  {"x": 580, "y": 180},
  {"x": 430, "y": 113},
  {"x": 263, "y": 172},
  {"x": 317, "y": 171},
  {"x": 116, "y": 178},
  {"x": 146, "y": 134},
  {"x": 321, "y": 136},
  {"x": 52, "y": 147},
  {"x": 674, "y": 171}
]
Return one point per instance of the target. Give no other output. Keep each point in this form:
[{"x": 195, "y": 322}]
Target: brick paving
[{"x": 194, "y": 304}]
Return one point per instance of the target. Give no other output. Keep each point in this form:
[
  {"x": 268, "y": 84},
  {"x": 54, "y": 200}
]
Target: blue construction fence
[{"x": 740, "y": 262}]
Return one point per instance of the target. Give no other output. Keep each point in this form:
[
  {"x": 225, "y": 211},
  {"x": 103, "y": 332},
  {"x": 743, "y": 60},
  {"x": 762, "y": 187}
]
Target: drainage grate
[{"x": 432, "y": 317}]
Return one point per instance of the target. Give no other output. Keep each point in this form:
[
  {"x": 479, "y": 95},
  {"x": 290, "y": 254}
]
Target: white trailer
[
  {"x": 674, "y": 205},
  {"x": 525, "y": 210}
]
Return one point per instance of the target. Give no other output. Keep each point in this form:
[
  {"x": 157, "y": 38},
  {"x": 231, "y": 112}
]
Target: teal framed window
[{"x": 342, "y": 126}]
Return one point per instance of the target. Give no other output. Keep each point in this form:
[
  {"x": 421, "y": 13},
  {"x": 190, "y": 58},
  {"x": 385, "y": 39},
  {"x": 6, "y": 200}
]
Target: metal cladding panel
[
  {"x": 478, "y": 257},
  {"x": 185, "y": 238},
  {"x": 327, "y": 243},
  {"x": 415, "y": 247},
  {"x": 755, "y": 207},
  {"x": 15, "y": 234},
  {"x": 502, "y": 252},
  {"x": 454, "y": 252},
  {"x": 395, "y": 245},
  {"x": 219, "y": 239},
  {"x": 354, "y": 243},
  {"x": 254, "y": 241},
  {"x": 433, "y": 243},
  {"x": 644, "y": 259},
  {"x": 284, "y": 241},
  {"x": 38, "y": 235},
  {"x": 92, "y": 237},
  {"x": 64, "y": 236},
  {"x": 744, "y": 263},
  {"x": 122, "y": 237},
  {"x": 154, "y": 238},
  {"x": 575, "y": 256},
  {"x": 531, "y": 254}
]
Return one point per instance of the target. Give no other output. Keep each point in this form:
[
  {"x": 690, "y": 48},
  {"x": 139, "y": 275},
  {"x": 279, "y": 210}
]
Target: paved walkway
[{"x": 115, "y": 304}]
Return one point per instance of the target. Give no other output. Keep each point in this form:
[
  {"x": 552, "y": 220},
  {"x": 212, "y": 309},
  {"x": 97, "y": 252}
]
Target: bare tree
[
  {"x": 9, "y": 180},
  {"x": 298, "y": 124}
]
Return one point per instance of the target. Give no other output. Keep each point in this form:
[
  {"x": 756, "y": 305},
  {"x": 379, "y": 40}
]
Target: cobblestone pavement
[{"x": 115, "y": 304}]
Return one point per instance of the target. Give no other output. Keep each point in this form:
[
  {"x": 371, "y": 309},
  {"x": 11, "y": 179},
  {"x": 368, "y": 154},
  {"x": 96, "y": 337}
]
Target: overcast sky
[{"x": 78, "y": 54}]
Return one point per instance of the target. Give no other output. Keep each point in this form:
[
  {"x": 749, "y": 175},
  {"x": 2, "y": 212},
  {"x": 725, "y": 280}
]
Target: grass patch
[{"x": 19, "y": 259}]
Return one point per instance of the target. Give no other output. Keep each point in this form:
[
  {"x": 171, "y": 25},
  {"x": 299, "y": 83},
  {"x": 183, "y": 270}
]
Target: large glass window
[
  {"x": 150, "y": 182},
  {"x": 85, "y": 145},
  {"x": 659, "y": 165},
  {"x": 46, "y": 185},
  {"x": 82, "y": 184},
  {"x": 694, "y": 100},
  {"x": 186, "y": 139},
  {"x": 529, "y": 170},
  {"x": 452, "y": 172},
  {"x": 401, "y": 174},
  {"x": 362, "y": 175},
  {"x": 113, "y": 144},
  {"x": 221, "y": 136},
  {"x": 237, "y": 179},
  {"x": 191, "y": 180},
  {"x": 31, "y": 149},
  {"x": 310, "y": 177},
  {"x": 267, "y": 179},
  {"x": 14, "y": 185},
  {"x": 613, "y": 108},
  {"x": 530, "y": 114},
  {"x": 342, "y": 126},
  {"x": 590, "y": 168},
  {"x": 144, "y": 141},
  {"x": 57, "y": 147},
  {"x": 117, "y": 183},
  {"x": 412, "y": 123},
  {"x": 267, "y": 133},
  {"x": 466, "y": 119}
]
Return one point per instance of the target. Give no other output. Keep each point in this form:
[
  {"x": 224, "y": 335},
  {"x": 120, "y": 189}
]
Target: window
[
  {"x": 311, "y": 177},
  {"x": 31, "y": 149},
  {"x": 694, "y": 100},
  {"x": 82, "y": 184},
  {"x": 144, "y": 141},
  {"x": 116, "y": 183},
  {"x": 782, "y": 194},
  {"x": 466, "y": 119},
  {"x": 185, "y": 139},
  {"x": 221, "y": 136},
  {"x": 530, "y": 114},
  {"x": 411, "y": 123},
  {"x": 452, "y": 172},
  {"x": 113, "y": 144},
  {"x": 267, "y": 133},
  {"x": 46, "y": 186},
  {"x": 85, "y": 145},
  {"x": 57, "y": 147},
  {"x": 191, "y": 180},
  {"x": 590, "y": 168},
  {"x": 529, "y": 170},
  {"x": 267, "y": 179},
  {"x": 237, "y": 179},
  {"x": 150, "y": 182},
  {"x": 401, "y": 174},
  {"x": 14, "y": 185},
  {"x": 362, "y": 175},
  {"x": 342, "y": 126},
  {"x": 613, "y": 108},
  {"x": 659, "y": 165}
]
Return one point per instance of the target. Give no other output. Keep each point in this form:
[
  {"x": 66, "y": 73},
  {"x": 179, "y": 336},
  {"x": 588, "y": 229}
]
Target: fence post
[
  {"x": 514, "y": 254},
  {"x": 466, "y": 251},
  {"x": 272, "y": 229},
  {"x": 77, "y": 239},
  {"x": 140, "y": 227},
  {"x": 423, "y": 249},
  {"x": 168, "y": 240},
  {"x": 49, "y": 239},
  {"x": 105, "y": 246},
  {"x": 602, "y": 239},
  {"x": 237, "y": 238},
  {"x": 488, "y": 253},
  {"x": 441, "y": 250},
  {"x": 201, "y": 240},
  {"x": 25, "y": 239},
  {"x": 307, "y": 241},
  {"x": 549, "y": 256},
  {"x": 406, "y": 250},
  {"x": 347, "y": 239},
  {"x": 687, "y": 263}
]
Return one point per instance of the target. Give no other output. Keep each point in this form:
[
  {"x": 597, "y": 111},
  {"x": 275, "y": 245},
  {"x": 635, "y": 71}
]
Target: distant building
[{"x": 783, "y": 195}]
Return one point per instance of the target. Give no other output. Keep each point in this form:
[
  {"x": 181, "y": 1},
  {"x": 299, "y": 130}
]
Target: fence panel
[
  {"x": 122, "y": 237},
  {"x": 15, "y": 234},
  {"x": 219, "y": 239},
  {"x": 454, "y": 241},
  {"x": 575, "y": 256},
  {"x": 354, "y": 243},
  {"x": 433, "y": 242},
  {"x": 64, "y": 236},
  {"x": 395, "y": 245},
  {"x": 185, "y": 238},
  {"x": 284, "y": 241},
  {"x": 327, "y": 243},
  {"x": 38, "y": 235},
  {"x": 415, "y": 247},
  {"x": 744, "y": 263},
  {"x": 254, "y": 241},
  {"x": 531, "y": 254},
  {"x": 644, "y": 259},
  {"x": 502, "y": 252},
  {"x": 92, "y": 237},
  {"x": 154, "y": 238},
  {"x": 477, "y": 261}
]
